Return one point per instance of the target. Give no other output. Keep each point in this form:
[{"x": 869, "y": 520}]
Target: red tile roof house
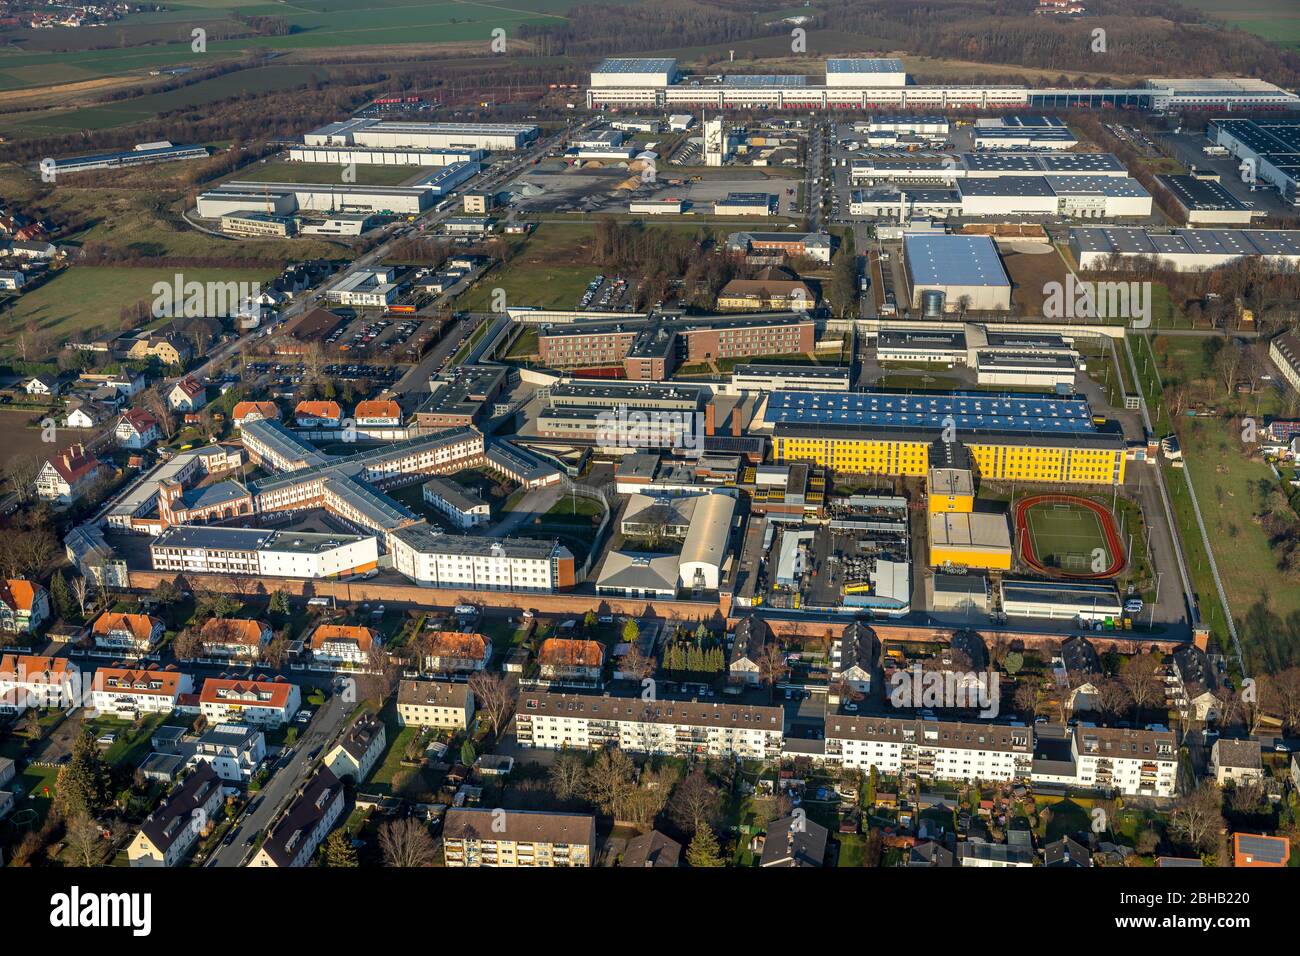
[
  {"x": 30, "y": 681},
  {"x": 318, "y": 415},
  {"x": 24, "y": 605},
  {"x": 562, "y": 658},
  {"x": 378, "y": 412},
  {"x": 254, "y": 412},
  {"x": 454, "y": 651},
  {"x": 187, "y": 396},
  {"x": 137, "y": 633},
  {"x": 234, "y": 638},
  {"x": 64, "y": 478},
  {"x": 137, "y": 429},
  {"x": 264, "y": 702},
  {"x": 342, "y": 643},
  {"x": 129, "y": 692}
]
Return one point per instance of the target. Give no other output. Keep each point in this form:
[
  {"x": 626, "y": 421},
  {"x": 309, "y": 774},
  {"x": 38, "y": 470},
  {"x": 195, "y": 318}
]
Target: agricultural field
[{"x": 1274, "y": 20}]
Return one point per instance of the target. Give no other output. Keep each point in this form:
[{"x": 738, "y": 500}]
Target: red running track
[{"x": 1030, "y": 556}]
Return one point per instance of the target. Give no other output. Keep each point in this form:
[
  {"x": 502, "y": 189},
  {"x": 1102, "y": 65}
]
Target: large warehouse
[
  {"x": 1273, "y": 146},
  {"x": 635, "y": 71},
  {"x": 1183, "y": 250},
  {"x": 859, "y": 72},
  {"x": 1205, "y": 202},
  {"x": 363, "y": 156},
  {"x": 965, "y": 270},
  {"x": 141, "y": 155},
  {"x": 390, "y": 134},
  {"x": 1023, "y": 132},
  {"x": 1027, "y": 437},
  {"x": 286, "y": 198},
  {"x": 945, "y": 169}
]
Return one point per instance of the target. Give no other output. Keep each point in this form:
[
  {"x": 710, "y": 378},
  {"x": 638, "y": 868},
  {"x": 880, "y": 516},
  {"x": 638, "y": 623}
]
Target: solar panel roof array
[{"x": 967, "y": 412}]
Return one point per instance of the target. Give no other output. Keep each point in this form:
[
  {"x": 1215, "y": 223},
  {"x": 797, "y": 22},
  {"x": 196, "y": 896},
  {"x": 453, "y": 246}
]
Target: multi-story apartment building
[
  {"x": 931, "y": 749},
  {"x": 292, "y": 842},
  {"x": 258, "y": 553},
  {"x": 435, "y": 703},
  {"x": 28, "y": 680},
  {"x": 1128, "y": 760},
  {"x": 267, "y": 703},
  {"x": 171, "y": 830},
  {"x": 685, "y": 728},
  {"x": 128, "y": 693},
  {"x": 234, "y": 751},
  {"x": 433, "y": 559},
  {"x": 510, "y": 838}
]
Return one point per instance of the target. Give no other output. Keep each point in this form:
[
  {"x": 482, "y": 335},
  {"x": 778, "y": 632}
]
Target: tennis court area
[{"x": 1068, "y": 536}]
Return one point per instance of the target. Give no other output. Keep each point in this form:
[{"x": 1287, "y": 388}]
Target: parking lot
[
  {"x": 291, "y": 373},
  {"x": 400, "y": 339},
  {"x": 609, "y": 294}
]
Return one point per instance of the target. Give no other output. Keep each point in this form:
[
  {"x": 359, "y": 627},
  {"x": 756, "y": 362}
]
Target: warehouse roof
[
  {"x": 1202, "y": 195},
  {"x": 946, "y": 260},
  {"x": 706, "y": 541},
  {"x": 978, "y": 531},
  {"x": 637, "y": 64},
  {"x": 864, "y": 65}
]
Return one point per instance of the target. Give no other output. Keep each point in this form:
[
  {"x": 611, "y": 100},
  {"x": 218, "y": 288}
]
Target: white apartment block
[
  {"x": 128, "y": 693},
  {"x": 434, "y": 703},
  {"x": 517, "y": 838},
  {"x": 234, "y": 751},
  {"x": 494, "y": 564},
  {"x": 589, "y": 722},
  {"x": 263, "y": 702},
  {"x": 1139, "y": 762},
  {"x": 931, "y": 749}
]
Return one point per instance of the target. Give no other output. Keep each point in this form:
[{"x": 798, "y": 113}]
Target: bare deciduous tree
[
  {"x": 1140, "y": 676},
  {"x": 1197, "y": 817},
  {"x": 406, "y": 843},
  {"x": 493, "y": 698}
]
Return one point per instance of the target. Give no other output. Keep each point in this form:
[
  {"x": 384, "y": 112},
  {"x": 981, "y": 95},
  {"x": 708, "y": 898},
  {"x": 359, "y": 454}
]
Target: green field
[
  {"x": 1067, "y": 536},
  {"x": 144, "y": 42},
  {"x": 1274, "y": 20},
  {"x": 328, "y": 173},
  {"x": 90, "y": 298}
]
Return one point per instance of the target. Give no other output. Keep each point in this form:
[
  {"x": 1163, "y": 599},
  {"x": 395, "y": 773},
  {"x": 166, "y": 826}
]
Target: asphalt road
[{"x": 293, "y": 769}]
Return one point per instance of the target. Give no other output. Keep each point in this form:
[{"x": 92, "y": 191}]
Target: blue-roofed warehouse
[{"x": 966, "y": 270}]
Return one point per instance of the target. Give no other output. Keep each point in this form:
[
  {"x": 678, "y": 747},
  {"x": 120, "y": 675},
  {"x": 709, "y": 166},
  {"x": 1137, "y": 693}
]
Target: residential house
[
  {"x": 377, "y": 413},
  {"x": 292, "y": 842},
  {"x": 747, "y": 642},
  {"x": 652, "y": 849},
  {"x": 454, "y": 651},
  {"x": 358, "y": 749},
  {"x": 68, "y": 475},
  {"x": 129, "y": 692},
  {"x": 24, "y": 606},
  {"x": 852, "y": 657},
  {"x": 167, "y": 349},
  {"x": 1067, "y": 853},
  {"x": 994, "y": 855},
  {"x": 137, "y": 429},
  {"x": 565, "y": 659},
  {"x": 44, "y": 386},
  {"x": 267, "y": 703},
  {"x": 234, "y": 638},
  {"x": 187, "y": 395},
  {"x": 475, "y": 837},
  {"x": 318, "y": 415},
  {"x": 244, "y": 412},
  {"x": 1255, "y": 850},
  {"x": 794, "y": 841},
  {"x": 931, "y": 854},
  {"x": 1236, "y": 761},
  {"x": 127, "y": 633},
  {"x": 27, "y": 680},
  {"x": 1190, "y": 683},
  {"x": 11, "y": 280},
  {"x": 435, "y": 703},
  {"x": 343, "y": 644},
  {"x": 234, "y": 751},
  {"x": 168, "y": 833},
  {"x": 85, "y": 414}
]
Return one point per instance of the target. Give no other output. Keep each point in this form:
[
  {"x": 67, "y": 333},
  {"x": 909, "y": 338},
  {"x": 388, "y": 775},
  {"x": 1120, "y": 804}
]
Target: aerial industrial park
[{"x": 669, "y": 460}]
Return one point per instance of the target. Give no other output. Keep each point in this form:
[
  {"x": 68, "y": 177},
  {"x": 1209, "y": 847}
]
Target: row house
[
  {"x": 129, "y": 692},
  {"x": 684, "y": 728}
]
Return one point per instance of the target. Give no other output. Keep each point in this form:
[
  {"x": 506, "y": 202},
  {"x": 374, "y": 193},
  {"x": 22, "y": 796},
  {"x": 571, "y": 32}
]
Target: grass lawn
[
  {"x": 550, "y": 271},
  {"x": 90, "y": 298},
  {"x": 326, "y": 173},
  {"x": 853, "y": 849},
  {"x": 1067, "y": 818}
]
